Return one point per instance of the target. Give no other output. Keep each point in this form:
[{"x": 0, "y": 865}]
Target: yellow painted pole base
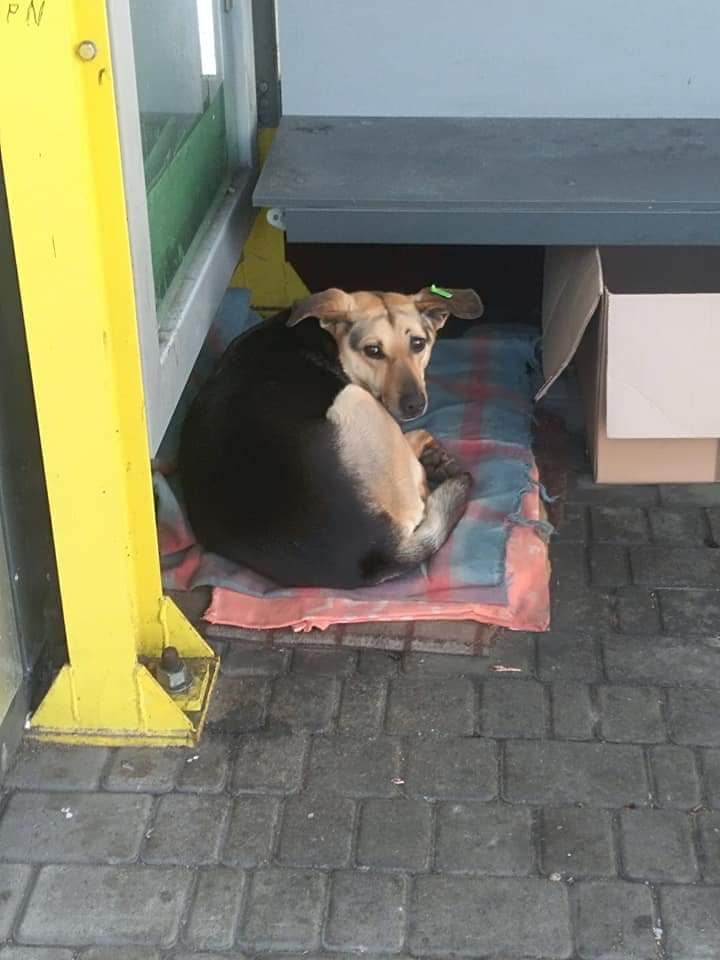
[
  {"x": 273, "y": 283},
  {"x": 66, "y": 195},
  {"x": 144, "y": 714}
]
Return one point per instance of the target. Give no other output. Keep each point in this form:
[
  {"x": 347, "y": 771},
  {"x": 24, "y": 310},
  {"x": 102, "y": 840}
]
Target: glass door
[
  {"x": 181, "y": 100},
  {"x": 184, "y": 77}
]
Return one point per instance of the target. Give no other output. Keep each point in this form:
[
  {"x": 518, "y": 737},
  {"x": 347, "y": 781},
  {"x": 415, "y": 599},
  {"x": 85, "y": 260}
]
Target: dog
[{"x": 292, "y": 460}]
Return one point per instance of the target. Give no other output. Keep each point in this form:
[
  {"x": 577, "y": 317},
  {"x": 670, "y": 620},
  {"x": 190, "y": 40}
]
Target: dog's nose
[{"x": 411, "y": 404}]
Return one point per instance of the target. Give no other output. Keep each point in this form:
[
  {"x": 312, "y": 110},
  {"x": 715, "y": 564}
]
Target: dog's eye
[
  {"x": 374, "y": 351},
  {"x": 417, "y": 344}
]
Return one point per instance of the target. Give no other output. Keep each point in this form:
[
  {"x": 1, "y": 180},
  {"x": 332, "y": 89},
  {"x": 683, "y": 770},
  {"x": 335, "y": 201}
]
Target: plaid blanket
[{"x": 480, "y": 389}]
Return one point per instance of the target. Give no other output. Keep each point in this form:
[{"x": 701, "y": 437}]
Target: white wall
[
  {"x": 563, "y": 58},
  {"x": 166, "y": 40}
]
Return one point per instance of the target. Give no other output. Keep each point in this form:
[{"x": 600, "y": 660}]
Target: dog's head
[{"x": 385, "y": 339}]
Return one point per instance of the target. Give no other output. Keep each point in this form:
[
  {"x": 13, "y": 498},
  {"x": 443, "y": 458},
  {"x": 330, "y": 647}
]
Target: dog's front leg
[
  {"x": 438, "y": 464},
  {"x": 419, "y": 441}
]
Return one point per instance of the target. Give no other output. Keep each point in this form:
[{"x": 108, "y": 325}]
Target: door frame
[{"x": 169, "y": 350}]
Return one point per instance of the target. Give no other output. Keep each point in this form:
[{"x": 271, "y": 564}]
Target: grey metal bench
[{"x": 495, "y": 181}]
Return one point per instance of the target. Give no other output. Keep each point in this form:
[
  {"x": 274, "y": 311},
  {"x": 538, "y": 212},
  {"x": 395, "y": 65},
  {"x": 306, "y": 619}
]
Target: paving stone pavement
[{"x": 388, "y": 803}]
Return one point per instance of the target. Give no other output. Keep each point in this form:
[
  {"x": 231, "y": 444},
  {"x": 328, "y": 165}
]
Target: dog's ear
[
  {"x": 465, "y": 304},
  {"x": 329, "y": 306}
]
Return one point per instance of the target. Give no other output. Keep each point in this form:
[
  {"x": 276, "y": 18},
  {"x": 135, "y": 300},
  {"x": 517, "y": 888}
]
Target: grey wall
[{"x": 563, "y": 58}]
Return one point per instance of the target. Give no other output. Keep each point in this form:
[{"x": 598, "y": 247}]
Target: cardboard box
[{"x": 644, "y": 327}]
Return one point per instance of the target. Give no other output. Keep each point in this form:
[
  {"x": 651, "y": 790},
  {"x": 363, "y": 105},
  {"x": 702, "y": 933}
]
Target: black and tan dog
[{"x": 292, "y": 460}]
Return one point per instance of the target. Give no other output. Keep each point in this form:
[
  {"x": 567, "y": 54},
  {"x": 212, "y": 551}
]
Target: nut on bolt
[{"x": 172, "y": 672}]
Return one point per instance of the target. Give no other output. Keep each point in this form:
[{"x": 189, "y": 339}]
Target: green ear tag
[{"x": 440, "y": 292}]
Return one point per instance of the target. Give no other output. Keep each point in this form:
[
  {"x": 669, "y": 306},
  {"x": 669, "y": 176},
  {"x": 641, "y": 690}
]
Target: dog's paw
[
  {"x": 434, "y": 461},
  {"x": 432, "y": 456},
  {"x": 439, "y": 465}
]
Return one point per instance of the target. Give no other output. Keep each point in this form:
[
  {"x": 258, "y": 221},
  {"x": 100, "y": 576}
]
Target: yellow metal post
[
  {"x": 263, "y": 269},
  {"x": 61, "y": 162}
]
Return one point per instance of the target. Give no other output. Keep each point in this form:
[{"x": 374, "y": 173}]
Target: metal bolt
[
  {"x": 264, "y": 86},
  {"x": 170, "y": 659},
  {"x": 87, "y": 50},
  {"x": 172, "y": 673},
  {"x": 276, "y": 218}
]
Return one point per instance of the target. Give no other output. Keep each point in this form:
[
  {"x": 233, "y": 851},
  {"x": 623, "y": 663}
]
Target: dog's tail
[{"x": 444, "y": 507}]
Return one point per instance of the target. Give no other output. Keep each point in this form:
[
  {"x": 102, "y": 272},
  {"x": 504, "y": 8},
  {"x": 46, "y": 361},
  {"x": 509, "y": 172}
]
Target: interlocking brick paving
[{"x": 399, "y": 802}]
